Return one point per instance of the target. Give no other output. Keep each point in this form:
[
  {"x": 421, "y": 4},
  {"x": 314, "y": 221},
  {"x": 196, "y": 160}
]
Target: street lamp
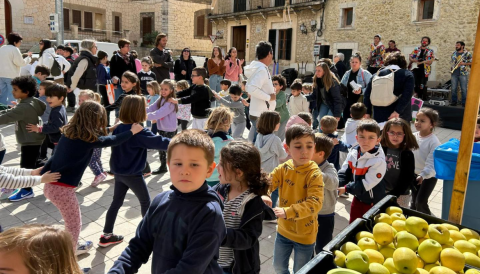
[{"x": 303, "y": 28}]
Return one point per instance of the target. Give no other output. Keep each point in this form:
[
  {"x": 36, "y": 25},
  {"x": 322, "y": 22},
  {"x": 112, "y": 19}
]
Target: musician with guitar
[
  {"x": 461, "y": 61},
  {"x": 377, "y": 52},
  {"x": 423, "y": 56}
]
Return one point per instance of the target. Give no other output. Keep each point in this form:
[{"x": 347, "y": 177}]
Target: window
[
  {"x": 117, "y": 24},
  {"x": 209, "y": 28},
  {"x": 88, "y": 24},
  {"x": 347, "y": 18},
  {"x": 281, "y": 41},
  {"x": 425, "y": 12},
  {"x": 66, "y": 19},
  {"x": 281, "y": 3},
  {"x": 201, "y": 25},
  {"x": 77, "y": 17},
  {"x": 239, "y": 5}
]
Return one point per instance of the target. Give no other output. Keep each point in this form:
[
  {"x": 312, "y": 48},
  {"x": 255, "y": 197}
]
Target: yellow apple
[
  {"x": 439, "y": 233},
  {"x": 387, "y": 250},
  {"x": 349, "y": 247},
  {"x": 417, "y": 226},
  {"x": 452, "y": 259},
  {"x": 441, "y": 270},
  {"x": 420, "y": 271},
  {"x": 376, "y": 268},
  {"x": 472, "y": 259},
  {"x": 393, "y": 209},
  {"x": 339, "y": 258},
  {"x": 428, "y": 267},
  {"x": 394, "y": 231},
  {"x": 456, "y": 235},
  {"x": 447, "y": 246},
  {"x": 342, "y": 271},
  {"x": 476, "y": 243},
  {"x": 465, "y": 246},
  {"x": 363, "y": 234},
  {"x": 390, "y": 265},
  {"x": 383, "y": 218},
  {"x": 383, "y": 233},
  {"x": 421, "y": 240},
  {"x": 398, "y": 216},
  {"x": 399, "y": 225},
  {"x": 374, "y": 256},
  {"x": 429, "y": 250},
  {"x": 358, "y": 261},
  {"x": 451, "y": 227},
  {"x": 421, "y": 263},
  {"x": 405, "y": 239},
  {"x": 405, "y": 260},
  {"x": 472, "y": 271},
  {"x": 367, "y": 243},
  {"x": 469, "y": 234}
]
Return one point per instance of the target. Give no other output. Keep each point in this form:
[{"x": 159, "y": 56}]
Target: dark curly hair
[
  {"x": 246, "y": 157},
  {"x": 396, "y": 58},
  {"x": 26, "y": 84},
  {"x": 281, "y": 81}
]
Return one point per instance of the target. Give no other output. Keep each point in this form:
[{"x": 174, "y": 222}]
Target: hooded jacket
[
  {"x": 300, "y": 191},
  {"x": 362, "y": 175},
  {"x": 330, "y": 180},
  {"x": 244, "y": 240},
  {"x": 259, "y": 87},
  {"x": 183, "y": 230},
  {"x": 350, "y": 132},
  {"x": 26, "y": 112},
  {"x": 271, "y": 151}
]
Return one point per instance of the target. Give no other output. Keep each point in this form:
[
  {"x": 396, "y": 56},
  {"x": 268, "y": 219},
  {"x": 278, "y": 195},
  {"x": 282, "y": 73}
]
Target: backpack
[
  {"x": 56, "y": 69},
  {"x": 382, "y": 90}
]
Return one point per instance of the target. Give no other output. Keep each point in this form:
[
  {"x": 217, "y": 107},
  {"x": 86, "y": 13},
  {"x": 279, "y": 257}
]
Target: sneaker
[
  {"x": 83, "y": 247},
  {"x": 98, "y": 179},
  {"x": 110, "y": 240},
  {"x": 86, "y": 270},
  {"x": 5, "y": 193},
  {"x": 71, "y": 109},
  {"x": 21, "y": 195},
  {"x": 344, "y": 195}
]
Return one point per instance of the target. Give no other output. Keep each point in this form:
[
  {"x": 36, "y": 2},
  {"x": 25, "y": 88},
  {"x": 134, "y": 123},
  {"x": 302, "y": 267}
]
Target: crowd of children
[{"x": 223, "y": 187}]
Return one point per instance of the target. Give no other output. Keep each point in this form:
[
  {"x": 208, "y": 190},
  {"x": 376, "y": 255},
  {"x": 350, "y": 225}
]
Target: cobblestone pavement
[{"x": 94, "y": 203}]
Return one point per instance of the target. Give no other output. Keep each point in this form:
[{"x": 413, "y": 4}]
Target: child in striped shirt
[{"x": 13, "y": 177}]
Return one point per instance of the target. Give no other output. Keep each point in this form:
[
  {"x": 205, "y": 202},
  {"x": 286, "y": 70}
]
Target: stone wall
[{"x": 2, "y": 19}]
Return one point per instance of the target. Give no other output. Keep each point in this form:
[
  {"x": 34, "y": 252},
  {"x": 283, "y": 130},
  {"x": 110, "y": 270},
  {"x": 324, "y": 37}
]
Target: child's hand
[
  {"x": 335, "y": 141},
  {"x": 36, "y": 172},
  {"x": 13, "y": 103},
  {"x": 280, "y": 212},
  {"x": 267, "y": 200},
  {"x": 173, "y": 101},
  {"x": 136, "y": 128},
  {"x": 245, "y": 103},
  {"x": 419, "y": 180},
  {"x": 32, "y": 128},
  {"x": 273, "y": 97},
  {"x": 341, "y": 190},
  {"x": 50, "y": 177}
]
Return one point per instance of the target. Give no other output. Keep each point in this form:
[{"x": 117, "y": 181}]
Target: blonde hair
[
  {"x": 133, "y": 109},
  {"x": 154, "y": 86},
  {"x": 90, "y": 94},
  {"x": 182, "y": 85},
  {"x": 88, "y": 122},
  {"x": 171, "y": 86},
  {"x": 44, "y": 249},
  {"x": 328, "y": 78},
  {"x": 219, "y": 118}
]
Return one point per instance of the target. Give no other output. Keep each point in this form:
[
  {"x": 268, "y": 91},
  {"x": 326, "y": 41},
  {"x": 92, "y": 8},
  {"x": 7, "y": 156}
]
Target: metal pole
[{"x": 59, "y": 11}]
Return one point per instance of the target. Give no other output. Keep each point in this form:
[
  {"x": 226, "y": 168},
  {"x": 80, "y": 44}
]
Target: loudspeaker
[{"x": 324, "y": 51}]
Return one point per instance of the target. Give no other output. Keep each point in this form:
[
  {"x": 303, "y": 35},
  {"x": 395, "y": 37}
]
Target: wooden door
[
  {"x": 8, "y": 18},
  {"x": 147, "y": 25},
  {"x": 240, "y": 40}
]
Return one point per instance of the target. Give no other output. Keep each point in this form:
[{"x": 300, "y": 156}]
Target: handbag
[{"x": 110, "y": 92}]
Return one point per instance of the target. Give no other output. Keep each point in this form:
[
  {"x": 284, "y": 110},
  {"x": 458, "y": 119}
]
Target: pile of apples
[{"x": 409, "y": 246}]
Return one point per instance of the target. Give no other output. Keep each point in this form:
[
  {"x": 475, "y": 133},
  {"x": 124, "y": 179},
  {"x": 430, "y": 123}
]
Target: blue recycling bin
[{"x": 445, "y": 159}]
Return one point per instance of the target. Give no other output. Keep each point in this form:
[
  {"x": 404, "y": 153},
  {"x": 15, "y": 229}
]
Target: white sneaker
[
  {"x": 5, "y": 193},
  {"x": 83, "y": 247}
]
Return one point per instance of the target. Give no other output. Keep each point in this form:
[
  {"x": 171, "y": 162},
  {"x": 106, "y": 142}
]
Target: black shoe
[
  {"x": 453, "y": 104},
  {"x": 110, "y": 240},
  {"x": 160, "y": 170}
]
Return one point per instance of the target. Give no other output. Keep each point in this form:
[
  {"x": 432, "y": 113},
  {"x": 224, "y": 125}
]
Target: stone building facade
[
  {"x": 110, "y": 21},
  {"x": 348, "y": 26}
]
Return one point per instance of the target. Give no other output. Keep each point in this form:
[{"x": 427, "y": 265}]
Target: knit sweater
[
  {"x": 300, "y": 190},
  {"x": 424, "y": 155},
  {"x": 330, "y": 180},
  {"x": 11, "y": 61},
  {"x": 298, "y": 104}
]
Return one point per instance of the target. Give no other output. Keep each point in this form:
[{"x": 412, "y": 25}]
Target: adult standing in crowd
[
  {"x": 326, "y": 92},
  {"x": 162, "y": 58},
  {"x": 83, "y": 73},
  {"x": 103, "y": 77},
  {"x": 377, "y": 50},
  {"x": 423, "y": 56},
  {"x": 10, "y": 63},
  {"x": 259, "y": 85},
  {"x": 338, "y": 61},
  {"x": 361, "y": 77},
  {"x": 67, "y": 54},
  {"x": 233, "y": 66},
  {"x": 461, "y": 61},
  {"x": 46, "y": 55},
  {"x": 403, "y": 85},
  {"x": 216, "y": 69},
  {"x": 64, "y": 65},
  {"x": 184, "y": 66},
  {"x": 392, "y": 47},
  {"x": 121, "y": 61}
]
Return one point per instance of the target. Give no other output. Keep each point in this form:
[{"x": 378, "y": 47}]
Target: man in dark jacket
[
  {"x": 122, "y": 61},
  {"x": 162, "y": 59},
  {"x": 340, "y": 65}
]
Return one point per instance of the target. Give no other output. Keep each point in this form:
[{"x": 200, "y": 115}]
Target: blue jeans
[
  {"x": 316, "y": 122},
  {"x": 118, "y": 91},
  {"x": 252, "y": 135},
  {"x": 282, "y": 251},
  {"x": 6, "y": 89},
  {"x": 214, "y": 82},
  {"x": 274, "y": 198},
  {"x": 463, "y": 79}
]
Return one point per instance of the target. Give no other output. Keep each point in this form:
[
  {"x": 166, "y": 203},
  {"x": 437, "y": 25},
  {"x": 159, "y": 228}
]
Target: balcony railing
[{"x": 251, "y": 6}]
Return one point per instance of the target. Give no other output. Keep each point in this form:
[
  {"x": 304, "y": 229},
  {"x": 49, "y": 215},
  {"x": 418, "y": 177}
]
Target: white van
[{"x": 109, "y": 48}]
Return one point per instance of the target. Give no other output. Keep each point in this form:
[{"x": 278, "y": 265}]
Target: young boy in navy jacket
[
  {"x": 183, "y": 227},
  {"x": 328, "y": 125}
]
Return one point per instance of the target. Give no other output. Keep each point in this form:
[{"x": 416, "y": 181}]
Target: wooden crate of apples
[{"x": 409, "y": 246}]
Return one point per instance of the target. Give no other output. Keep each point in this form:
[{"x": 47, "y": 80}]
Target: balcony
[{"x": 236, "y": 8}]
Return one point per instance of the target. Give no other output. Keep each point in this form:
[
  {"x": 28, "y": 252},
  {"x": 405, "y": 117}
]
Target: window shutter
[
  {"x": 289, "y": 44},
  {"x": 201, "y": 25},
  {"x": 88, "y": 25},
  {"x": 209, "y": 27},
  {"x": 272, "y": 38},
  {"x": 77, "y": 18},
  {"x": 117, "y": 23},
  {"x": 66, "y": 19}
]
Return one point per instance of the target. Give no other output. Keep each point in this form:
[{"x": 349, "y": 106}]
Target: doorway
[
  {"x": 8, "y": 18},
  {"x": 239, "y": 40}
]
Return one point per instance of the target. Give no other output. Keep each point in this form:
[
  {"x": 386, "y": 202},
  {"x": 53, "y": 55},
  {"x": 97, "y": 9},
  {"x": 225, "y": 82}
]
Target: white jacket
[
  {"x": 298, "y": 104},
  {"x": 350, "y": 132},
  {"x": 259, "y": 86},
  {"x": 47, "y": 59},
  {"x": 11, "y": 61},
  {"x": 64, "y": 64},
  {"x": 424, "y": 155}
]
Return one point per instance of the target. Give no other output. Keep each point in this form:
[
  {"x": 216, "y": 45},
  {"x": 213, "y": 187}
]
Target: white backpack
[{"x": 382, "y": 90}]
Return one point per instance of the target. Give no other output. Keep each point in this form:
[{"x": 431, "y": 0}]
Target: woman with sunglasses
[{"x": 184, "y": 66}]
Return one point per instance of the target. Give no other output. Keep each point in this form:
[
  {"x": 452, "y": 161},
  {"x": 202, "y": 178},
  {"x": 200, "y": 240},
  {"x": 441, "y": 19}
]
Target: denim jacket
[{"x": 363, "y": 78}]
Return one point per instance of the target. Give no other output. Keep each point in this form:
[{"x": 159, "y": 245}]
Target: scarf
[{"x": 125, "y": 57}]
